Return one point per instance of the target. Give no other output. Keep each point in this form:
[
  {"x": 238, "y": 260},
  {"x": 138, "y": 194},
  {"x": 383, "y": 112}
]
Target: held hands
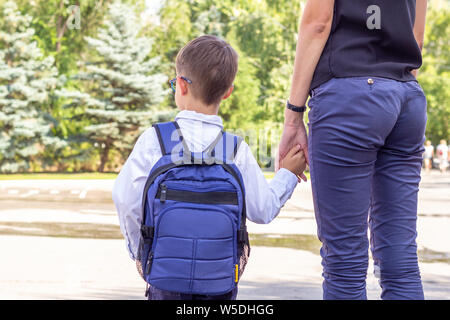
[
  {"x": 293, "y": 135},
  {"x": 294, "y": 161}
]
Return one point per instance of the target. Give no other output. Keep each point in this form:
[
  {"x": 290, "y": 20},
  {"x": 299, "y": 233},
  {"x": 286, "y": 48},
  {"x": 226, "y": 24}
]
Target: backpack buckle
[
  {"x": 243, "y": 235},
  {"x": 147, "y": 232}
]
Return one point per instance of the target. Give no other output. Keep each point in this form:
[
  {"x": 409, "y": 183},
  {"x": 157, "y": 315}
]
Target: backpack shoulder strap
[
  {"x": 169, "y": 136},
  {"x": 226, "y": 150},
  {"x": 232, "y": 149},
  {"x": 225, "y": 147}
]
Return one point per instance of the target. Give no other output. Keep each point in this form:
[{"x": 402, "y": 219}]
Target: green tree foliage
[
  {"x": 27, "y": 80},
  {"x": 435, "y": 73},
  {"x": 115, "y": 77},
  {"x": 124, "y": 91},
  {"x": 264, "y": 34},
  {"x": 61, "y": 25}
]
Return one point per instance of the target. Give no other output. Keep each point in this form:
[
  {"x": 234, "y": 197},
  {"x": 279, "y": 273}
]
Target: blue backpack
[{"x": 194, "y": 238}]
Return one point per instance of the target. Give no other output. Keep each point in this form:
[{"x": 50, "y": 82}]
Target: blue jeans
[
  {"x": 365, "y": 147},
  {"x": 157, "y": 294}
]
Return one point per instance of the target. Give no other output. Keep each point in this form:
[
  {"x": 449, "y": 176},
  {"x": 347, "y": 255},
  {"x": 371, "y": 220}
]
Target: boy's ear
[
  {"x": 182, "y": 85},
  {"x": 228, "y": 94}
]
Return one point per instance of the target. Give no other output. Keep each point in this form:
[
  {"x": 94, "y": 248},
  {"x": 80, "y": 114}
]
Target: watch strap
[{"x": 295, "y": 108}]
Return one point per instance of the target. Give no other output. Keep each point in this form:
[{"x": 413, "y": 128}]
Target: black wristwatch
[{"x": 295, "y": 108}]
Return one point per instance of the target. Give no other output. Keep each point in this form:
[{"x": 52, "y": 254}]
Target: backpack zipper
[
  {"x": 212, "y": 197},
  {"x": 149, "y": 263}
]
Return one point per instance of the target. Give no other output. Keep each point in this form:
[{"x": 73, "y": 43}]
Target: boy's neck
[{"x": 201, "y": 108}]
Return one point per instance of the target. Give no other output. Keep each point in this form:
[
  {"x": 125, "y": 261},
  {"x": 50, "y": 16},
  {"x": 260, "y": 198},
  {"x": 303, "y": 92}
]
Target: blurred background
[{"x": 81, "y": 80}]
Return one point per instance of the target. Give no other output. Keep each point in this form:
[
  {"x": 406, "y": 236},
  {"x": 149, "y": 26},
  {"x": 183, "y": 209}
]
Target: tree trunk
[
  {"x": 104, "y": 158},
  {"x": 60, "y": 26}
]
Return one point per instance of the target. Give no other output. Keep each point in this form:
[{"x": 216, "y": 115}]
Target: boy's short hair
[{"x": 211, "y": 64}]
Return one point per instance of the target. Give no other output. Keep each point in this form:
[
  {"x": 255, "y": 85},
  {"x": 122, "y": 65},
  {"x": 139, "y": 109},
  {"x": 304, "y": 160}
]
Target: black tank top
[{"x": 370, "y": 38}]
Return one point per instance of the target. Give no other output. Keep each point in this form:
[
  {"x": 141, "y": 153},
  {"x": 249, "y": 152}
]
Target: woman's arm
[
  {"x": 313, "y": 34},
  {"x": 419, "y": 24}
]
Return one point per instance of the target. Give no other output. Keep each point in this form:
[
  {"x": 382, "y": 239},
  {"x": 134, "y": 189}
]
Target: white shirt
[
  {"x": 442, "y": 152},
  {"x": 263, "y": 200},
  {"x": 428, "y": 154}
]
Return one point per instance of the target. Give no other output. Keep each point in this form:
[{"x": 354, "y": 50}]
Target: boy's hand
[
  {"x": 292, "y": 135},
  {"x": 295, "y": 161}
]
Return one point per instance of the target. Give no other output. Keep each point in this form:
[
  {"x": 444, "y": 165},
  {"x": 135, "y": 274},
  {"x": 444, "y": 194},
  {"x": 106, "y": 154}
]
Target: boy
[{"x": 206, "y": 69}]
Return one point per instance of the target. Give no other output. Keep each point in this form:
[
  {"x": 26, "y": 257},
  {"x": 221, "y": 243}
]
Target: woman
[{"x": 358, "y": 61}]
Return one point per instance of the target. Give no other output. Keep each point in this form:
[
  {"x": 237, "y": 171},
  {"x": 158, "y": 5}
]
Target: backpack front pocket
[
  {"x": 222, "y": 197},
  {"x": 194, "y": 249}
]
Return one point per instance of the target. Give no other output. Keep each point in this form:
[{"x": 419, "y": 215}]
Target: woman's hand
[{"x": 294, "y": 133}]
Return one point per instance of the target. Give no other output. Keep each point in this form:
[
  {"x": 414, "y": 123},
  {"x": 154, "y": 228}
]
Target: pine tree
[
  {"x": 124, "y": 88},
  {"x": 26, "y": 80}
]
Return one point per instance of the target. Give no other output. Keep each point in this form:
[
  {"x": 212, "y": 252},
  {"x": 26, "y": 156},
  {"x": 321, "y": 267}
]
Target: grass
[
  {"x": 61, "y": 230},
  {"x": 107, "y": 231},
  {"x": 270, "y": 175},
  {"x": 80, "y": 176},
  {"x": 58, "y": 176},
  {"x": 294, "y": 241}
]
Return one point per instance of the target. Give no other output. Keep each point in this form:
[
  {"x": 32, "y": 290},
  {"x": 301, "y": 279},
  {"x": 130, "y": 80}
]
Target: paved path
[{"x": 66, "y": 268}]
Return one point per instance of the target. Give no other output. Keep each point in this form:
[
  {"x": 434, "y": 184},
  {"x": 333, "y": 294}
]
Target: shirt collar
[{"x": 193, "y": 115}]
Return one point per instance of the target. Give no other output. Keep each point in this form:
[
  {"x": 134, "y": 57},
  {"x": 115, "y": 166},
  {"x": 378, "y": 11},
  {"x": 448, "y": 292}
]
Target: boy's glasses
[{"x": 173, "y": 83}]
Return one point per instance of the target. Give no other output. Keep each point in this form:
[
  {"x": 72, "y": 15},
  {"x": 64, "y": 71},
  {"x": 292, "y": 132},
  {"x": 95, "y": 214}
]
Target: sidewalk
[{"x": 66, "y": 268}]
